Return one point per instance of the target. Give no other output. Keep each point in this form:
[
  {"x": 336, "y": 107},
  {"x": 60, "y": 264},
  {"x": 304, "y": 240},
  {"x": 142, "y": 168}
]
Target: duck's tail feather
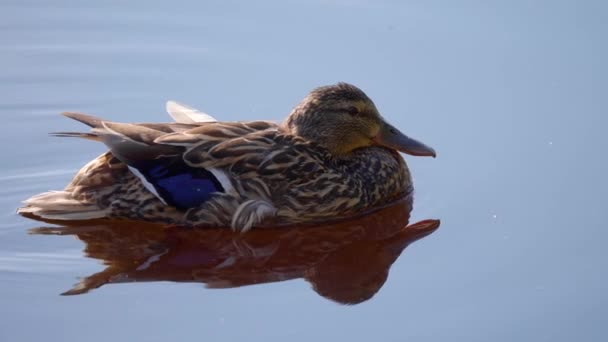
[
  {"x": 60, "y": 205},
  {"x": 89, "y": 136},
  {"x": 89, "y": 120},
  {"x": 86, "y": 119}
]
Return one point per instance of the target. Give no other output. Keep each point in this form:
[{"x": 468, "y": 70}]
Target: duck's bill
[{"x": 392, "y": 138}]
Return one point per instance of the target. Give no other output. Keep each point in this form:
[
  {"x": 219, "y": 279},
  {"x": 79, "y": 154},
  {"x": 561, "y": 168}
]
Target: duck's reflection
[{"x": 347, "y": 262}]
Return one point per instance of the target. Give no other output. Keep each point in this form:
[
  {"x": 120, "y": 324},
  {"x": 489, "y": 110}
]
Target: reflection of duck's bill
[
  {"x": 411, "y": 233},
  {"x": 422, "y": 228},
  {"x": 391, "y": 137}
]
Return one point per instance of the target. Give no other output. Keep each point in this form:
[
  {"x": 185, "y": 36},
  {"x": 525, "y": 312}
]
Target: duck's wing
[
  {"x": 156, "y": 154},
  {"x": 186, "y": 114},
  {"x": 128, "y": 142}
]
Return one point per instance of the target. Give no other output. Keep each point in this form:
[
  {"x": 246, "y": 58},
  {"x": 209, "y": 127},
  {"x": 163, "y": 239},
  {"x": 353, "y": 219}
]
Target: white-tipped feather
[
  {"x": 60, "y": 205},
  {"x": 250, "y": 213},
  {"x": 146, "y": 184},
  {"x": 222, "y": 177},
  {"x": 187, "y": 115}
]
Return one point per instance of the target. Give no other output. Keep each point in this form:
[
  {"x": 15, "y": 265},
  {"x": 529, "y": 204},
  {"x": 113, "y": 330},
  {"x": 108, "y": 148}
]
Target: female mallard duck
[{"x": 334, "y": 156}]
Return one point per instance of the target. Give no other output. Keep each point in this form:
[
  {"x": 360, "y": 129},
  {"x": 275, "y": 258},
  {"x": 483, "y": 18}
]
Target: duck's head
[{"x": 342, "y": 118}]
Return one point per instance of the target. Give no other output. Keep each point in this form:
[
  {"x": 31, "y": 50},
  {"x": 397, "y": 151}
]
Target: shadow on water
[{"x": 347, "y": 262}]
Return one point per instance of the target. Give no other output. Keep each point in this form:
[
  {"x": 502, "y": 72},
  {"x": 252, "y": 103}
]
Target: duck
[{"x": 333, "y": 157}]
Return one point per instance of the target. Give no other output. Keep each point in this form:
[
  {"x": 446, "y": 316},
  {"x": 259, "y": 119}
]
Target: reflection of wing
[
  {"x": 328, "y": 256},
  {"x": 187, "y": 115}
]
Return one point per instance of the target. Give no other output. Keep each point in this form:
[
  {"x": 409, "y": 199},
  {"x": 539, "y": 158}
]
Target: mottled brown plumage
[{"x": 333, "y": 157}]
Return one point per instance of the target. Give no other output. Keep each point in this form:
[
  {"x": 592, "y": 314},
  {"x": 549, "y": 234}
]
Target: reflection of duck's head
[
  {"x": 346, "y": 261},
  {"x": 351, "y": 275},
  {"x": 355, "y": 273}
]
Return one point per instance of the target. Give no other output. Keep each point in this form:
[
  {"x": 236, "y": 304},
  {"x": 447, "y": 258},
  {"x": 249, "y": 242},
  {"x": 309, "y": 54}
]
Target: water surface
[{"x": 510, "y": 93}]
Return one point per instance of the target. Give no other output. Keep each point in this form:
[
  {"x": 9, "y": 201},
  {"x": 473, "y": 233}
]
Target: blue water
[{"x": 511, "y": 94}]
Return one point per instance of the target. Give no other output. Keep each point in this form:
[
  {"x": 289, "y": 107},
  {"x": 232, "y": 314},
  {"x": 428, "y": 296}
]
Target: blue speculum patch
[{"x": 180, "y": 185}]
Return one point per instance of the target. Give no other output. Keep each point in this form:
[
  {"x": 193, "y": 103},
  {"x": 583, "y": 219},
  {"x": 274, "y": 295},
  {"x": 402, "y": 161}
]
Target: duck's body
[{"x": 225, "y": 174}]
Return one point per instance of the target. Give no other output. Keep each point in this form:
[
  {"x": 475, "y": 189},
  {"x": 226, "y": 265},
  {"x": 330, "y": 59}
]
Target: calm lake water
[{"x": 511, "y": 94}]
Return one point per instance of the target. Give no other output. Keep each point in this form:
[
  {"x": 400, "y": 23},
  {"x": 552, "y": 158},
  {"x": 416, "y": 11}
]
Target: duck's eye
[{"x": 352, "y": 110}]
